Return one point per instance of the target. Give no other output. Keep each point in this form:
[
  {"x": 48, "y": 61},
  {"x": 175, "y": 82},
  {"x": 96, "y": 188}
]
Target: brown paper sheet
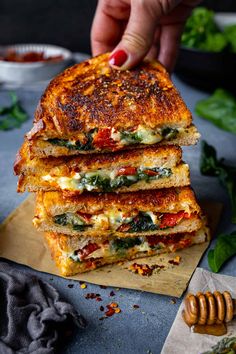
[
  {"x": 180, "y": 336},
  {"x": 22, "y": 243}
]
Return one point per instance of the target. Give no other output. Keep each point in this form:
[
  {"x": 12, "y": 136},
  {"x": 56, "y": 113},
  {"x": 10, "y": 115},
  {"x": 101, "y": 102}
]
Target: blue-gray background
[{"x": 132, "y": 331}]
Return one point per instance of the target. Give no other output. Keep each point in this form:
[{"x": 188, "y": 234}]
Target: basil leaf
[
  {"x": 210, "y": 165},
  {"x": 220, "y": 109},
  {"x": 12, "y": 116},
  {"x": 225, "y": 248}
]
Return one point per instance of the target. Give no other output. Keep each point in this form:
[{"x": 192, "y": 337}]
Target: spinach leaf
[
  {"x": 97, "y": 181},
  {"x": 143, "y": 222},
  {"x": 121, "y": 181},
  {"x": 220, "y": 109},
  {"x": 169, "y": 133},
  {"x": 230, "y": 34},
  {"x": 131, "y": 137},
  {"x": 77, "y": 146},
  {"x": 12, "y": 116},
  {"x": 225, "y": 248},
  {"x": 119, "y": 244},
  {"x": 210, "y": 165},
  {"x": 201, "y": 32},
  {"x": 61, "y": 219},
  {"x": 68, "y": 219}
]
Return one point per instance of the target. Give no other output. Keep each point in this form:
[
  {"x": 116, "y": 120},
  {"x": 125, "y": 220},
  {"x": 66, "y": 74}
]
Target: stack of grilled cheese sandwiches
[{"x": 105, "y": 162}]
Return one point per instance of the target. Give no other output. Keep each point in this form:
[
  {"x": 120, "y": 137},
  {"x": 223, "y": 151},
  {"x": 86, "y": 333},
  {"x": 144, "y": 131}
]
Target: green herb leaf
[
  {"x": 211, "y": 166},
  {"x": 226, "y": 345},
  {"x": 12, "y": 116},
  {"x": 119, "y": 244},
  {"x": 202, "y": 33},
  {"x": 142, "y": 223},
  {"x": 225, "y": 248},
  {"x": 220, "y": 109},
  {"x": 77, "y": 146},
  {"x": 131, "y": 137},
  {"x": 230, "y": 34}
]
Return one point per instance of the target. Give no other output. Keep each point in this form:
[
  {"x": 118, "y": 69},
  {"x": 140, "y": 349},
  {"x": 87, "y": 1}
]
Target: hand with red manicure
[{"x": 134, "y": 29}]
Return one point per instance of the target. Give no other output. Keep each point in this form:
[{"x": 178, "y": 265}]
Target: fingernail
[{"x": 118, "y": 58}]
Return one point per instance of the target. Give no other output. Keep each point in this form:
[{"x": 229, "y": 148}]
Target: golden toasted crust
[
  {"x": 158, "y": 200},
  {"x": 92, "y": 94},
  {"x": 65, "y": 166},
  {"x": 58, "y": 244}
]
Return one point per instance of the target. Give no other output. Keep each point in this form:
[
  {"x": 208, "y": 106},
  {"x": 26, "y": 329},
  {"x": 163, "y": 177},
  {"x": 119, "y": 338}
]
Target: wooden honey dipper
[{"x": 209, "y": 308}]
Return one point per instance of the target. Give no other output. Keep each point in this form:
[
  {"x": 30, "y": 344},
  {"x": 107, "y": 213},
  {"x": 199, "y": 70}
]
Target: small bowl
[
  {"x": 206, "y": 70},
  {"x": 26, "y": 72}
]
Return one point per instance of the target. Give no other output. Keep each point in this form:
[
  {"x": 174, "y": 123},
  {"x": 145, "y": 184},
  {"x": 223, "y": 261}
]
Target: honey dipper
[{"x": 209, "y": 308}]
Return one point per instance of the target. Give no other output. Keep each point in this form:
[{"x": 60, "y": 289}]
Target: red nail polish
[{"x": 118, "y": 58}]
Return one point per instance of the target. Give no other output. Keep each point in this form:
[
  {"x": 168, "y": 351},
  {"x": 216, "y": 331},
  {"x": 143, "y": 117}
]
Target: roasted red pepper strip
[
  {"x": 103, "y": 139},
  {"x": 88, "y": 249},
  {"x": 170, "y": 219},
  {"x": 150, "y": 173},
  {"x": 123, "y": 228},
  {"x": 85, "y": 216},
  {"x": 126, "y": 171}
]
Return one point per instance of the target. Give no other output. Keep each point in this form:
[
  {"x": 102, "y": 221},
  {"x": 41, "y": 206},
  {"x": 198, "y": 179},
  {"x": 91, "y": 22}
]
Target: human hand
[{"x": 134, "y": 29}]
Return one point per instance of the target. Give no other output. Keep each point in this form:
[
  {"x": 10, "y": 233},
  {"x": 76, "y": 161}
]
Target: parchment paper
[
  {"x": 180, "y": 336},
  {"x": 22, "y": 243}
]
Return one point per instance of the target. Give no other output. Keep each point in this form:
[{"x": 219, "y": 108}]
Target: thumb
[{"x": 138, "y": 36}]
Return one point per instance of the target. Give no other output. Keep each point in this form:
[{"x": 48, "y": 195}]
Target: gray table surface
[{"x": 132, "y": 331}]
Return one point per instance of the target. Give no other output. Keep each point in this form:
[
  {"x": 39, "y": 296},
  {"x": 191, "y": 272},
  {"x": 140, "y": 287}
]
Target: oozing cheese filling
[
  {"x": 106, "y": 180},
  {"x": 121, "y": 222},
  {"x": 112, "y": 139},
  {"x": 119, "y": 247}
]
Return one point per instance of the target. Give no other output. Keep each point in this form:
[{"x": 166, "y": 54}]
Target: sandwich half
[
  {"x": 91, "y": 108},
  {"x": 74, "y": 255},
  {"x": 123, "y": 171},
  {"x": 149, "y": 212}
]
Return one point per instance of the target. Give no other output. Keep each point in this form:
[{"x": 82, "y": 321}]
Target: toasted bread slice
[
  {"x": 127, "y": 214},
  {"x": 91, "y": 107},
  {"x": 74, "y": 255},
  {"x": 149, "y": 168}
]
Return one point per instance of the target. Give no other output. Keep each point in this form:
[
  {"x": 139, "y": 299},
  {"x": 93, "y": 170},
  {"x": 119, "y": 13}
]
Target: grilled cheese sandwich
[
  {"x": 149, "y": 168},
  {"x": 81, "y": 254},
  {"x": 127, "y": 214},
  {"x": 92, "y": 107}
]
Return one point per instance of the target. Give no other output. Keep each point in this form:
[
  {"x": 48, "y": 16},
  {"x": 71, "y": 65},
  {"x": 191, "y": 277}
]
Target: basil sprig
[
  {"x": 12, "y": 116},
  {"x": 225, "y": 248},
  {"x": 210, "y": 165}
]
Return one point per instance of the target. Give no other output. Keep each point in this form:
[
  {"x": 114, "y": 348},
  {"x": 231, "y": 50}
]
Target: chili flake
[
  {"x": 101, "y": 308},
  {"x": 103, "y": 286},
  {"x": 110, "y": 312},
  {"x": 83, "y": 286},
  {"x": 113, "y": 304},
  {"x": 70, "y": 286},
  {"x": 112, "y": 293},
  {"x": 90, "y": 296},
  {"x": 136, "y": 306},
  {"x": 144, "y": 269}
]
